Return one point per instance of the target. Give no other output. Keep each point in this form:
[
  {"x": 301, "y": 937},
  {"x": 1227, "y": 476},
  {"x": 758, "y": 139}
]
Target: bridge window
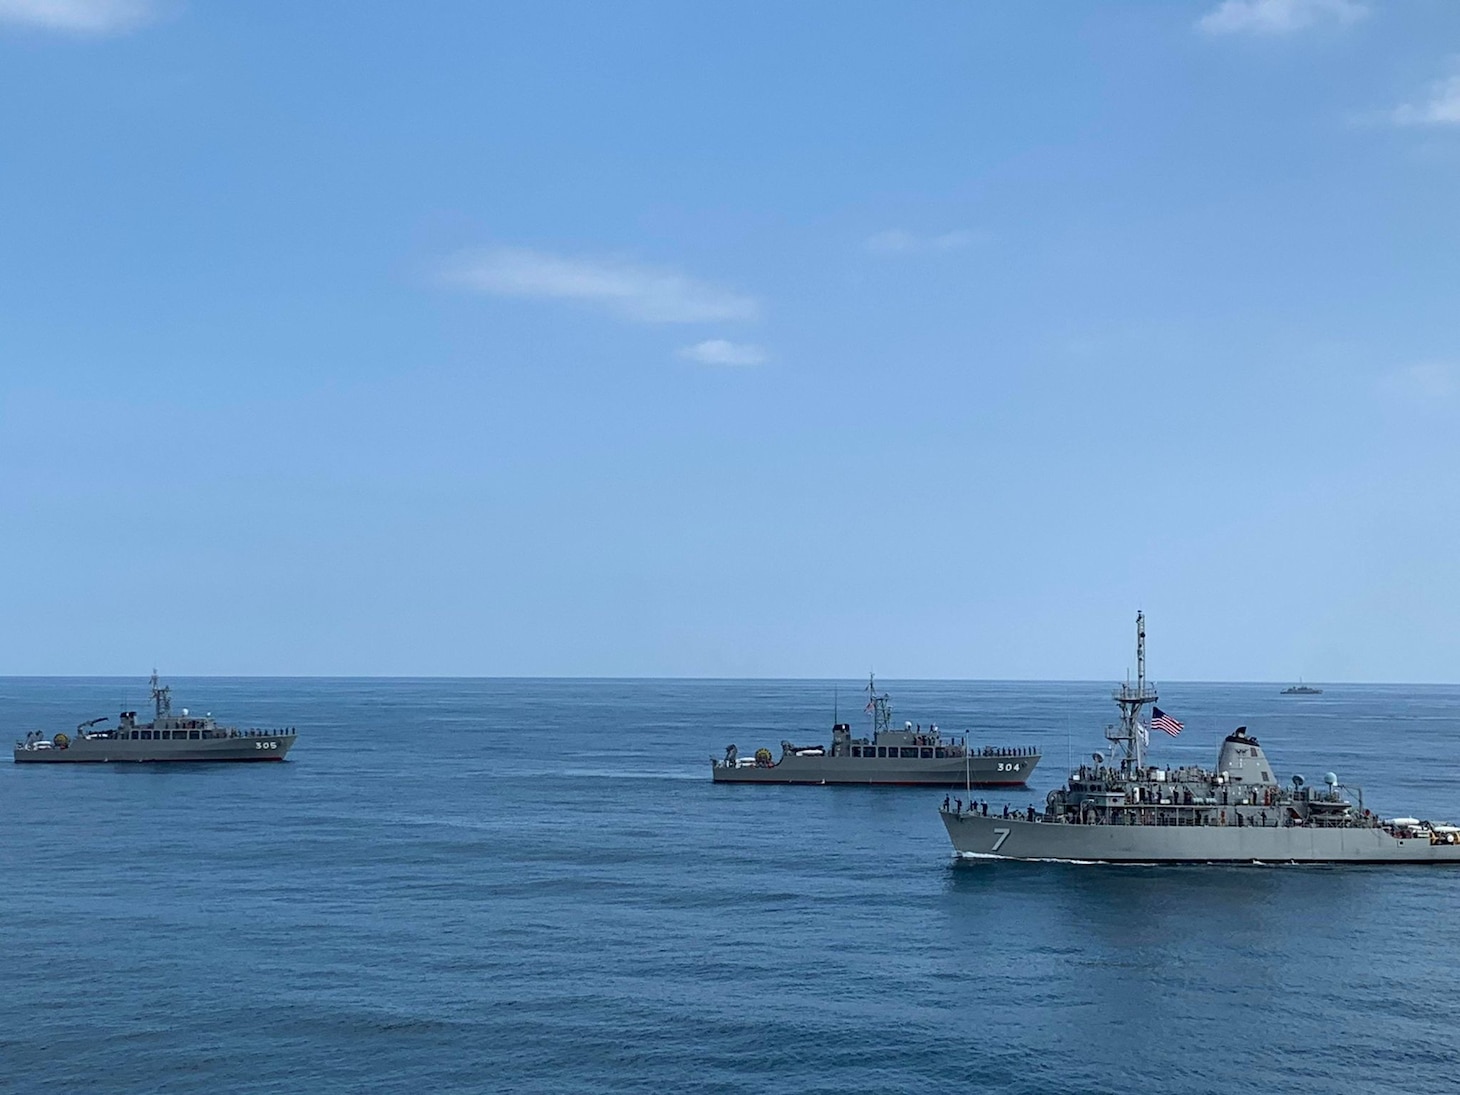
[
  {"x": 927, "y": 754},
  {"x": 134, "y": 735},
  {"x": 940, "y": 752},
  {"x": 856, "y": 750},
  {"x": 908, "y": 751},
  {"x": 881, "y": 750},
  {"x": 146, "y": 735},
  {"x": 194, "y": 735}
]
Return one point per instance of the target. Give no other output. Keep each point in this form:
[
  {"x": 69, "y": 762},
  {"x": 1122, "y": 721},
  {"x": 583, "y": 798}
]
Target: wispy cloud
[
  {"x": 1428, "y": 383},
  {"x": 1278, "y": 16},
  {"x": 78, "y": 16},
  {"x": 716, "y": 351},
  {"x": 643, "y": 294},
  {"x": 896, "y": 241},
  {"x": 1440, "y": 107}
]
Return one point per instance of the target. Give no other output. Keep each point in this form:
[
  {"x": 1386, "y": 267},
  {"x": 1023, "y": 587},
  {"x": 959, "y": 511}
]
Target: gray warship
[
  {"x": 167, "y": 737},
  {"x": 1301, "y": 689},
  {"x": 1135, "y": 812},
  {"x": 910, "y": 756}
]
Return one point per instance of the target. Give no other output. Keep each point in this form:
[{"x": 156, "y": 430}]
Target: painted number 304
[
  {"x": 1010, "y": 766},
  {"x": 266, "y": 745}
]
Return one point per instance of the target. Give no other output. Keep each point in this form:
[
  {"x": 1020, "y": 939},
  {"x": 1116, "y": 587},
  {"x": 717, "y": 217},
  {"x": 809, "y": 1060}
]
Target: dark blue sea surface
[{"x": 532, "y": 885}]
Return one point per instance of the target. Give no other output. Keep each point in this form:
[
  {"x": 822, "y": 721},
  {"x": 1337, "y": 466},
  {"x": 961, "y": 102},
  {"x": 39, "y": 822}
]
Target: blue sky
[{"x": 730, "y": 339}]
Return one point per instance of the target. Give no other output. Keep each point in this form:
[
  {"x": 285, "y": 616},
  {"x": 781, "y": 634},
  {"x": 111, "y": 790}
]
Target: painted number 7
[{"x": 1002, "y": 835}]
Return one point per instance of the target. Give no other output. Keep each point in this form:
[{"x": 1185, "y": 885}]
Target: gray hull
[
  {"x": 1010, "y": 838},
  {"x": 980, "y": 771},
  {"x": 122, "y": 751}
]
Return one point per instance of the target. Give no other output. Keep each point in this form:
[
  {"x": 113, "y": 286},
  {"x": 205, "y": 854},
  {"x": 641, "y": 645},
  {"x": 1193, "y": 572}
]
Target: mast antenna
[
  {"x": 1130, "y": 700},
  {"x": 161, "y": 696},
  {"x": 1141, "y": 649},
  {"x": 879, "y": 707}
]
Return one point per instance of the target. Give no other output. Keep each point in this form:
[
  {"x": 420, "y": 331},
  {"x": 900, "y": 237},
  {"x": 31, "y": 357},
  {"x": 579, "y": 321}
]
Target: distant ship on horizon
[{"x": 1301, "y": 689}]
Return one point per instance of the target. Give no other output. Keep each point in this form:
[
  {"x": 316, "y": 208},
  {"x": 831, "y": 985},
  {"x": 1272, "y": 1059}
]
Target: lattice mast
[
  {"x": 879, "y": 706},
  {"x": 1131, "y": 698},
  {"x": 161, "y": 697}
]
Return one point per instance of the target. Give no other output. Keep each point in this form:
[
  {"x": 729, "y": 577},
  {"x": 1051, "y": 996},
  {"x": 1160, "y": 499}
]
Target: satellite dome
[{"x": 1330, "y": 779}]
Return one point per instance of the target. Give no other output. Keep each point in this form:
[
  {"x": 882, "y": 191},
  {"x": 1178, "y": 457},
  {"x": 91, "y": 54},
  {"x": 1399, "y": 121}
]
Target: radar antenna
[{"x": 1131, "y": 698}]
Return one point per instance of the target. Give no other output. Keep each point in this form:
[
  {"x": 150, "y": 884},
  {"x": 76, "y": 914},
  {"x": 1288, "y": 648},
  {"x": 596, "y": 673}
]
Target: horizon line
[{"x": 1108, "y": 682}]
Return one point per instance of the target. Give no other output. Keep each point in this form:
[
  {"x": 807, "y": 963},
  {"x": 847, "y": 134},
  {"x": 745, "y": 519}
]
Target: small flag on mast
[{"x": 1162, "y": 721}]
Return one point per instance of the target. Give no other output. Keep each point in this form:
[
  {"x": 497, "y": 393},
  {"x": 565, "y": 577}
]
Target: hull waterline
[
  {"x": 271, "y": 747},
  {"x": 980, "y": 772},
  {"x": 975, "y": 836}
]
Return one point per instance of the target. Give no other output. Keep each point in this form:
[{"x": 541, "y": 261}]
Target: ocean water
[{"x": 499, "y": 885}]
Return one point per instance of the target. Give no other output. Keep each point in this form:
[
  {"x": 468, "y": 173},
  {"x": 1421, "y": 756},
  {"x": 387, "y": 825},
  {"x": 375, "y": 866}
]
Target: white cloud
[
  {"x": 1278, "y": 16},
  {"x": 716, "y": 351},
  {"x": 1428, "y": 382},
  {"x": 1442, "y": 107},
  {"x": 641, "y": 293},
  {"x": 78, "y": 16},
  {"x": 896, "y": 241}
]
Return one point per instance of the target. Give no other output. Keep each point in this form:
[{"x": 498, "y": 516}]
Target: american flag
[{"x": 1162, "y": 721}]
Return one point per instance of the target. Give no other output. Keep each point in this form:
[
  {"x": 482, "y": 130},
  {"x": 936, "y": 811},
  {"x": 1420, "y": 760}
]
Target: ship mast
[
  {"x": 161, "y": 696},
  {"x": 879, "y": 707},
  {"x": 1131, "y": 698}
]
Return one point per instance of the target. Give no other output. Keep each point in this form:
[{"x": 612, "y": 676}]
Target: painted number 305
[
  {"x": 266, "y": 745},
  {"x": 1010, "y": 766}
]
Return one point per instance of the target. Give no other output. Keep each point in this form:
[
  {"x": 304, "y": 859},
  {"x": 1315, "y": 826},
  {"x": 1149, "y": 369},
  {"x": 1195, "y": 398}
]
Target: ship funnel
[{"x": 1243, "y": 761}]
